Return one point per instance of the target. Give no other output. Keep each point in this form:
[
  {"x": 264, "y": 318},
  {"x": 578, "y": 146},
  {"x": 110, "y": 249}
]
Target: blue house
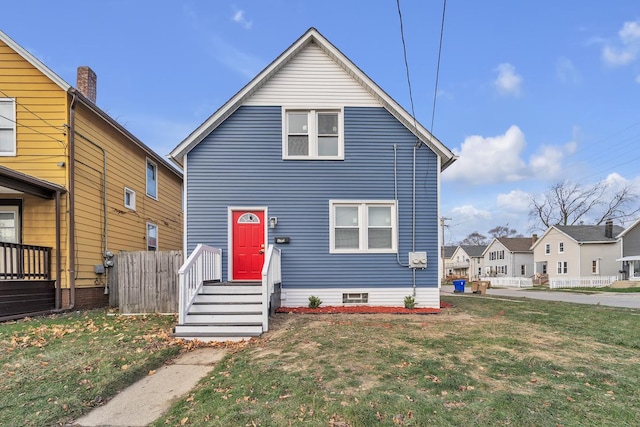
[{"x": 310, "y": 180}]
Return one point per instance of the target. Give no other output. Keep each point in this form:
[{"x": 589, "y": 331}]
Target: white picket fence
[
  {"x": 509, "y": 282},
  {"x": 582, "y": 282}
]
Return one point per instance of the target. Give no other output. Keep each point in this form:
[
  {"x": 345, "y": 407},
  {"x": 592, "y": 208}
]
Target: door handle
[{"x": 261, "y": 251}]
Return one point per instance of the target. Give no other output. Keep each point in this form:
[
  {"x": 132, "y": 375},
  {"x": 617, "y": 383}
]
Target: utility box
[{"x": 418, "y": 259}]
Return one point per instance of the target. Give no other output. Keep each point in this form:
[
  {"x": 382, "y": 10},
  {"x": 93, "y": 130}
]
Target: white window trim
[
  {"x": 547, "y": 249},
  {"x": 597, "y": 261},
  {"x": 363, "y": 226},
  {"x": 560, "y": 247},
  {"x": 562, "y": 268},
  {"x": 15, "y": 140},
  {"x": 146, "y": 183},
  {"x": 313, "y": 135},
  {"x": 132, "y": 193},
  {"x": 157, "y": 236}
]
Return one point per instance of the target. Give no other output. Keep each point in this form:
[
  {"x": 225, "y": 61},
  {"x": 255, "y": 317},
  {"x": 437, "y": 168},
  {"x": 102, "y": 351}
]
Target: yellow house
[{"x": 75, "y": 188}]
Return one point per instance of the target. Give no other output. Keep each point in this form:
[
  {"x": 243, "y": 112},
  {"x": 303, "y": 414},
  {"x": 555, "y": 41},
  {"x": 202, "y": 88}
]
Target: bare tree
[
  {"x": 474, "y": 239},
  {"x": 503, "y": 231},
  {"x": 570, "y": 203}
]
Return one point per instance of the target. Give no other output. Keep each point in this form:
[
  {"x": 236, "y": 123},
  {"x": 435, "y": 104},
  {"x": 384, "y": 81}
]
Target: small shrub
[
  {"x": 409, "y": 302},
  {"x": 314, "y": 302}
]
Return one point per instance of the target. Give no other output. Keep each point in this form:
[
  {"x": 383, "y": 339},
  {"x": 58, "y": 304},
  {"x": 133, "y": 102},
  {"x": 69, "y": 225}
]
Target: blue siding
[{"x": 240, "y": 164}]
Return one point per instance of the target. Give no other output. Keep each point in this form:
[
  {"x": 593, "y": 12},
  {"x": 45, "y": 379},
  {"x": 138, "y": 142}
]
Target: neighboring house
[
  {"x": 447, "y": 253},
  {"x": 467, "y": 261},
  {"x": 630, "y": 242},
  {"x": 572, "y": 251},
  {"x": 509, "y": 257},
  {"x": 315, "y": 159},
  {"x": 75, "y": 188}
]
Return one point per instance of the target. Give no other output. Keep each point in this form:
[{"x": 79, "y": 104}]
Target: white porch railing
[
  {"x": 581, "y": 282},
  {"x": 509, "y": 282},
  {"x": 204, "y": 263},
  {"x": 271, "y": 276}
]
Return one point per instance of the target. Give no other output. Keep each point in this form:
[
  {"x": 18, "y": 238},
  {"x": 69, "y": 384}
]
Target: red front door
[{"x": 248, "y": 244}]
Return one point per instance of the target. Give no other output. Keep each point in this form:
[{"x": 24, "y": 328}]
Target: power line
[
  {"x": 33, "y": 129},
  {"x": 61, "y": 128},
  {"x": 435, "y": 90},
  {"x": 406, "y": 65}
]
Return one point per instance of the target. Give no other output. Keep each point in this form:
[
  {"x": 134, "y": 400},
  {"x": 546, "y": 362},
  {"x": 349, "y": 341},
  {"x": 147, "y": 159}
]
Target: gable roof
[
  {"x": 513, "y": 244},
  {"x": 589, "y": 233},
  {"x": 313, "y": 36},
  {"x": 449, "y": 250},
  {"x": 474, "y": 251},
  {"x": 34, "y": 61},
  {"x": 40, "y": 66},
  {"x": 629, "y": 228}
]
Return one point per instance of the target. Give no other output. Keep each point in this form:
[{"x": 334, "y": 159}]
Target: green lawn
[
  {"x": 55, "y": 369},
  {"x": 485, "y": 362}
]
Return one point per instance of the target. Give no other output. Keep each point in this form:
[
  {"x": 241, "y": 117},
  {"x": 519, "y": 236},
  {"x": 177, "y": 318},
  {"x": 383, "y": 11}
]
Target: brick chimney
[
  {"x": 534, "y": 239},
  {"x": 87, "y": 82},
  {"x": 608, "y": 229}
]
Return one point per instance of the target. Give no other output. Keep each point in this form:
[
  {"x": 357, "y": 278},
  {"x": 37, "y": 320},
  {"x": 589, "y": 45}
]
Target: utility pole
[{"x": 442, "y": 225}]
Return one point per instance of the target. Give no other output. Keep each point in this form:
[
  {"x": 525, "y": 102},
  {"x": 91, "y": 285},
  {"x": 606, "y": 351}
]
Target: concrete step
[{"x": 226, "y": 319}]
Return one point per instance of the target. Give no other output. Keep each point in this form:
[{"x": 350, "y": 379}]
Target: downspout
[
  {"x": 395, "y": 195},
  {"x": 72, "y": 206},
  {"x": 415, "y": 146}
]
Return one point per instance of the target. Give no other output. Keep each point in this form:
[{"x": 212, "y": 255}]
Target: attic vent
[{"x": 361, "y": 298}]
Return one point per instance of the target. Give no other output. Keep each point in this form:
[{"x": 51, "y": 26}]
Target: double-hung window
[
  {"x": 363, "y": 227},
  {"x": 313, "y": 135},
  {"x": 547, "y": 249},
  {"x": 152, "y": 179},
  {"x": 560, "y": 247},
  {"x": 152, "y": 237},
  {"x": 562, "y": 267},
  {"x": 7, "y": 127}
]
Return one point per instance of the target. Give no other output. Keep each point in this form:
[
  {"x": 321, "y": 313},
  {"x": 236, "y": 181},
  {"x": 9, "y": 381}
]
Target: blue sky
[{"x": 529, "y": 93}]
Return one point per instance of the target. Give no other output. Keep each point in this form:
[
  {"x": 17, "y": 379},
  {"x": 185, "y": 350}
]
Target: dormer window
[{"x": 313, "y": 135}]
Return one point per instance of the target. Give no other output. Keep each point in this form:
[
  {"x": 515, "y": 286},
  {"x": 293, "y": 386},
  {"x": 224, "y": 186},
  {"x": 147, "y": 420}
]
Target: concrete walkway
[
  {"x": 609, "y": 299},
  {"x": 145, "y": 401}
]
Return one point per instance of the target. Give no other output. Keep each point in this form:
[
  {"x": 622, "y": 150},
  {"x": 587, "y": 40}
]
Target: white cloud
[
  {"x": 239, "y": 18},
  {"x": 514, "y": 201},
  {"x": 508, "y": 82},
  {"x": 627, "y": 49},
  {"x": 467, "y": 212},
  {"x": 487, "y": 160}
]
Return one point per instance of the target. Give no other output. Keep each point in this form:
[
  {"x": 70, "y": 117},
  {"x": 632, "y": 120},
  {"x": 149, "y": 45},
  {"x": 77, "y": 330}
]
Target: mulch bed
[{"x": 363, "y": 309}]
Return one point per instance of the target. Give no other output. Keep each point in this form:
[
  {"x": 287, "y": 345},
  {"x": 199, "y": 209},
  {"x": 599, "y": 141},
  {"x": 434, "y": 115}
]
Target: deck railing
[
  {"x": 204, "y": 264},
  {"x": 581, "y": 282},
  {"x": 24, "y": 262},
  {"x": 271, "y": 276}
]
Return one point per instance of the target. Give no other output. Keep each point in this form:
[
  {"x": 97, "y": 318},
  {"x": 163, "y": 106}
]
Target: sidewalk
[
  {"x": 609, "y": 299},
  {"x": 145, "y": 401}
]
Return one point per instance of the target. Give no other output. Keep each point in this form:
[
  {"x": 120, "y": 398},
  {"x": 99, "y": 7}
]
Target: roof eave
[{"x": 313, "y": 35}]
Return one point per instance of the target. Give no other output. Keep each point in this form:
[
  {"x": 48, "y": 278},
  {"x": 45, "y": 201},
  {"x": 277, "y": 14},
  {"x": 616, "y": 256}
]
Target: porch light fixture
[{"x": 273, "y": 221}]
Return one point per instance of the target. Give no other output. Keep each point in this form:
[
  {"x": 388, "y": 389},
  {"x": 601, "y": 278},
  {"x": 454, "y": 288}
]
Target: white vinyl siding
[
  {"x": 363, "y": 226},
  {"x": 312, "y": 134},
  {"x": 312, "y": 78},
  {"x": 390, "y": 297},
  {"x": 7, "y": 127}
]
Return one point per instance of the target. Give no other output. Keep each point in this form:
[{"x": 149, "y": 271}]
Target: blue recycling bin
[{"x": 458, "y": 285}]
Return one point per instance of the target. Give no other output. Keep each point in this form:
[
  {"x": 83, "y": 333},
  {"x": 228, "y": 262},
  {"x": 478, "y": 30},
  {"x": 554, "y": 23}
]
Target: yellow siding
[
  {"x": 41, "y": 112},
  {"x": 126, "y": 167}
]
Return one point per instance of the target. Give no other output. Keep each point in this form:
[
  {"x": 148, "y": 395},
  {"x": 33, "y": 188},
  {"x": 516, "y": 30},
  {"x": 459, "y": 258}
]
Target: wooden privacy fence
[{"x": 145, "y": 282}]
